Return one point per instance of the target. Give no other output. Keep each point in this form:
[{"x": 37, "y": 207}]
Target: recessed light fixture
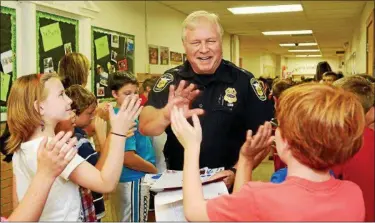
[
  {"x": 292, "y": 32},
  {"x": 266, "y": 9},
  {"x": 308, "y": 55},
  {"x": 298, "y": 44},
  {"x": 297, "y": 51}
]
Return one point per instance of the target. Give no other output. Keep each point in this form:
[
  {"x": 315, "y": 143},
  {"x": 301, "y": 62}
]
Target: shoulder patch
[
  {"x": 258, "y": 89},
  {"x": 163, "y": 82}
]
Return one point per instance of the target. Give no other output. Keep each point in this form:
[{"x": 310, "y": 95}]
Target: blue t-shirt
[
  {"x": 280, "y": 175},
  {"x": 142, "y": 146}
]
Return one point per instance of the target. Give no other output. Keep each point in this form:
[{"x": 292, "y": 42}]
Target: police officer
[{"x": 228, "y": 99}]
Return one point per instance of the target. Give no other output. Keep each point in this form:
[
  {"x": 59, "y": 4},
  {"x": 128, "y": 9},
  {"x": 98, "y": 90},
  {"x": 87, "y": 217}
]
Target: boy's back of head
[
  {"x": 361, "y": 87},
  {"x": 81, "y": 98},
  {"x": 322, "y": 124}
]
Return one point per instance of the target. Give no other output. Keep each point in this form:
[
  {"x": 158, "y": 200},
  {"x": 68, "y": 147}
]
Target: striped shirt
[{"x": 87, "y": 152}]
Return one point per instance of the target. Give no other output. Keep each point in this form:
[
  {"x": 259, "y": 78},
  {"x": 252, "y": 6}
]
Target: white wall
[
  {"x": 357, "y": 45},
  {"x": 261, "y": 63}
]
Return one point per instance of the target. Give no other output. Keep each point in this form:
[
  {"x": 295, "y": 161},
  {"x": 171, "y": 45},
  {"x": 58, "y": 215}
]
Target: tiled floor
[{"x": 262, "y": 173}]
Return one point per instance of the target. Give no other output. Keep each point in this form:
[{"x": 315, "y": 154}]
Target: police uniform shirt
[{"x": 233, "y": 102}]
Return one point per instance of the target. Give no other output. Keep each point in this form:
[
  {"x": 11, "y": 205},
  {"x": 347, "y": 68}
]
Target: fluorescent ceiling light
[
  {"x": 266, "y": 9},
  {"x": 308, "y": 55},
  {"x": 296, "y": 51},
  {"x": 293, "y": 32},
  {"x": 298, "y": 44}
]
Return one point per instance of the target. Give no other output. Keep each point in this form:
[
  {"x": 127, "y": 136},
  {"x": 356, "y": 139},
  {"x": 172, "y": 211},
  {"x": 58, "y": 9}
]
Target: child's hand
[
  {"x": 127, "y": 114},
  {"x": 100, "y": 129},
  {"x": 189, "y": 136},
  {"x": 132, "y": 129},
  {"x": 259, "y": 145},
  {"x": 102, "y": 111},
  {"x": 54, "y": 157}
]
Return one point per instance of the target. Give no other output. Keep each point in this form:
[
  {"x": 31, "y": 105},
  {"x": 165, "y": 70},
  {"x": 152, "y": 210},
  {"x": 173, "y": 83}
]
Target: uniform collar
[{"x": 222, "y": 73}]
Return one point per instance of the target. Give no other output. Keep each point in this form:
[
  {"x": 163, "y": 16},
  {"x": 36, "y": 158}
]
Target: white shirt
[{"x": 63, "y": 202}]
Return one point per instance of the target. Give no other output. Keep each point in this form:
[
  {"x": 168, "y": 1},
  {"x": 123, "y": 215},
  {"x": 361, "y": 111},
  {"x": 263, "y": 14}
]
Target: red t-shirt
[
  {"x": 295, "y": 199},
  {"x": 143, "y": 99},
  {"x": 360, "y": 170}
]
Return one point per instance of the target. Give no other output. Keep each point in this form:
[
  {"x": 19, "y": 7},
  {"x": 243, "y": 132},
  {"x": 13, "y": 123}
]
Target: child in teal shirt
[{"x": 132, "y": 198}]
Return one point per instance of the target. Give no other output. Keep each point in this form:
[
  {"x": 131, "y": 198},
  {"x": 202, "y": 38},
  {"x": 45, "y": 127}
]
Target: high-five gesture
[
  {"x": 182, "y": 98},
  {"x": 189, "y": 136},
  {"x": 124, "y": 119},
  {"x": 258, "y": 146}
]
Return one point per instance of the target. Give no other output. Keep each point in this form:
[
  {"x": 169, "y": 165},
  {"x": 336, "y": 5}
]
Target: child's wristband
[{"x": 118, "y": 134}]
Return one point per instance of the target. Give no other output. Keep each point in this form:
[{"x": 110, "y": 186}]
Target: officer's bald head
[{"x": 199, "y": 17}]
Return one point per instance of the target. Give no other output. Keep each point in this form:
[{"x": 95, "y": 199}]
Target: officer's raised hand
[{"x": 182, "y": 98}]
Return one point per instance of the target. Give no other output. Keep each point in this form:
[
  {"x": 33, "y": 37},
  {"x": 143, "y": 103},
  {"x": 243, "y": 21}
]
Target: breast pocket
[{"x": 222, "y": 116}]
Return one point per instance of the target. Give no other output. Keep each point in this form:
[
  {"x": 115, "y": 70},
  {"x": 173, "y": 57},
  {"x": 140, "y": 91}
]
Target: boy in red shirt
[
  {"x": 319, "y": 126},
  {"x": 360, "y": 169}
]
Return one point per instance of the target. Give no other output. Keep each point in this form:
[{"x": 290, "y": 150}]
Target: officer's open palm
[
  {"x": 128, "y": 112},
  {"x": 189, "y": 136},
  {"x": 258, "y": 145},
  {"x": 182, "y": 98}
]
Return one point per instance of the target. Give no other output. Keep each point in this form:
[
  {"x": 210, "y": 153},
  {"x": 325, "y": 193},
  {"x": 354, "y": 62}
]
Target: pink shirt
[{"x": 295, "y": 199}]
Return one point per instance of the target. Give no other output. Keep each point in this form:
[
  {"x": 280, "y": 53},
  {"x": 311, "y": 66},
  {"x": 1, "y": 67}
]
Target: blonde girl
[
  {"x": 74, "y": 68},
  {"x": 36, "y": 104}
]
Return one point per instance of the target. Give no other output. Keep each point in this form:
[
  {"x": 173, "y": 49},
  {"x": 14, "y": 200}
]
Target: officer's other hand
[
  {"x": 229, "y": 177},
  {"x": 256, "y": 147},
  {"x": 182, "y": 98},
  {"x": 189, "y": 136}
]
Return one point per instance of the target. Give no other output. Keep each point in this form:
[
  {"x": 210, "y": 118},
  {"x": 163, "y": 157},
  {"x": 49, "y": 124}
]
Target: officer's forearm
[{"x": 152, "y": 121}]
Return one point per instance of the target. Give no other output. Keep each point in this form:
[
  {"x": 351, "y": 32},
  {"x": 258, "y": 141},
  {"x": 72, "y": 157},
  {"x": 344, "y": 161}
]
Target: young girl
[
  {"x": 132, "y": 199},
  {"x": 36, "y": 104}
]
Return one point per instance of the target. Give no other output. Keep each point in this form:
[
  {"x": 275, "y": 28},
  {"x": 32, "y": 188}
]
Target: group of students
[
  {"x": 40, "y": 105},
  {"x": 320, "y": 128}
]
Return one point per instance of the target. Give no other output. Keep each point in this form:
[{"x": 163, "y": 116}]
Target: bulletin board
[
  {"x": 8, "y": 53},
  {"x": 55, "y": 36},
  {"x": 111, "y": 51}
]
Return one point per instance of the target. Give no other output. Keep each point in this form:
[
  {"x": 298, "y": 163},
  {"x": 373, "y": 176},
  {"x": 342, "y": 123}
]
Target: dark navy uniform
[{"x": 233, "y": 102}]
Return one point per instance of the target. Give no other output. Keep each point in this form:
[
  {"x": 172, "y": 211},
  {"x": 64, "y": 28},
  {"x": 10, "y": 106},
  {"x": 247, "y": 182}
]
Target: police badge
[
  {"x": 230, "y": 96},
  {"x": 163, "y": 81},
  {"x": 258, "y": 89}
]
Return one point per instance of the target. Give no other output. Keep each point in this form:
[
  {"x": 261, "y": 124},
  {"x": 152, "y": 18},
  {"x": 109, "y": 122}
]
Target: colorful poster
[
  {"x": 153, "y": 54},
  {"x": 51, "y": 36},
  {"x": 5, "y": 82},
  {"x": 164, "y": 55},
  {"x": 101, "y": 47},
  {"x": 176, "y": 58},
  {"x": 123, "y": 65}
]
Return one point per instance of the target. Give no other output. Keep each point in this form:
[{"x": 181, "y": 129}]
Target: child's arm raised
[
  {"x": 106, "y": 179},
  {"x": 195, "y": 207}
]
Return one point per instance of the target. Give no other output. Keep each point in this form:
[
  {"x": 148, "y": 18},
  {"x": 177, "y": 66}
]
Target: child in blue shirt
[{"x": 132, "y": 198}]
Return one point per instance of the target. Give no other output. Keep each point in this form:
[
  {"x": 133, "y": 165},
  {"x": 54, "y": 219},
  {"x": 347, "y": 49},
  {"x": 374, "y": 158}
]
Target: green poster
[
  {"x": 5, "y": 81},
  {"x": 51, "y": 36},
  {"x": 101, "y": 46}
]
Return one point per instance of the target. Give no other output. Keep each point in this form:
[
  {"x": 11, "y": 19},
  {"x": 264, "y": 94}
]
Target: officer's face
[{"x": 203, "y": 47}]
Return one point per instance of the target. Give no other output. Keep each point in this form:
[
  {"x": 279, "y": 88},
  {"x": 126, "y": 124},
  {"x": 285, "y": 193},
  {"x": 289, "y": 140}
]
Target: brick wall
[{"x": 5, "y": 184}]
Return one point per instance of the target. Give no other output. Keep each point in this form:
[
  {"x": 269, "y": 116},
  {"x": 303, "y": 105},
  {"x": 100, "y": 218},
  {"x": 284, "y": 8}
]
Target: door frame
[{"x": 368, "y": 21}]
